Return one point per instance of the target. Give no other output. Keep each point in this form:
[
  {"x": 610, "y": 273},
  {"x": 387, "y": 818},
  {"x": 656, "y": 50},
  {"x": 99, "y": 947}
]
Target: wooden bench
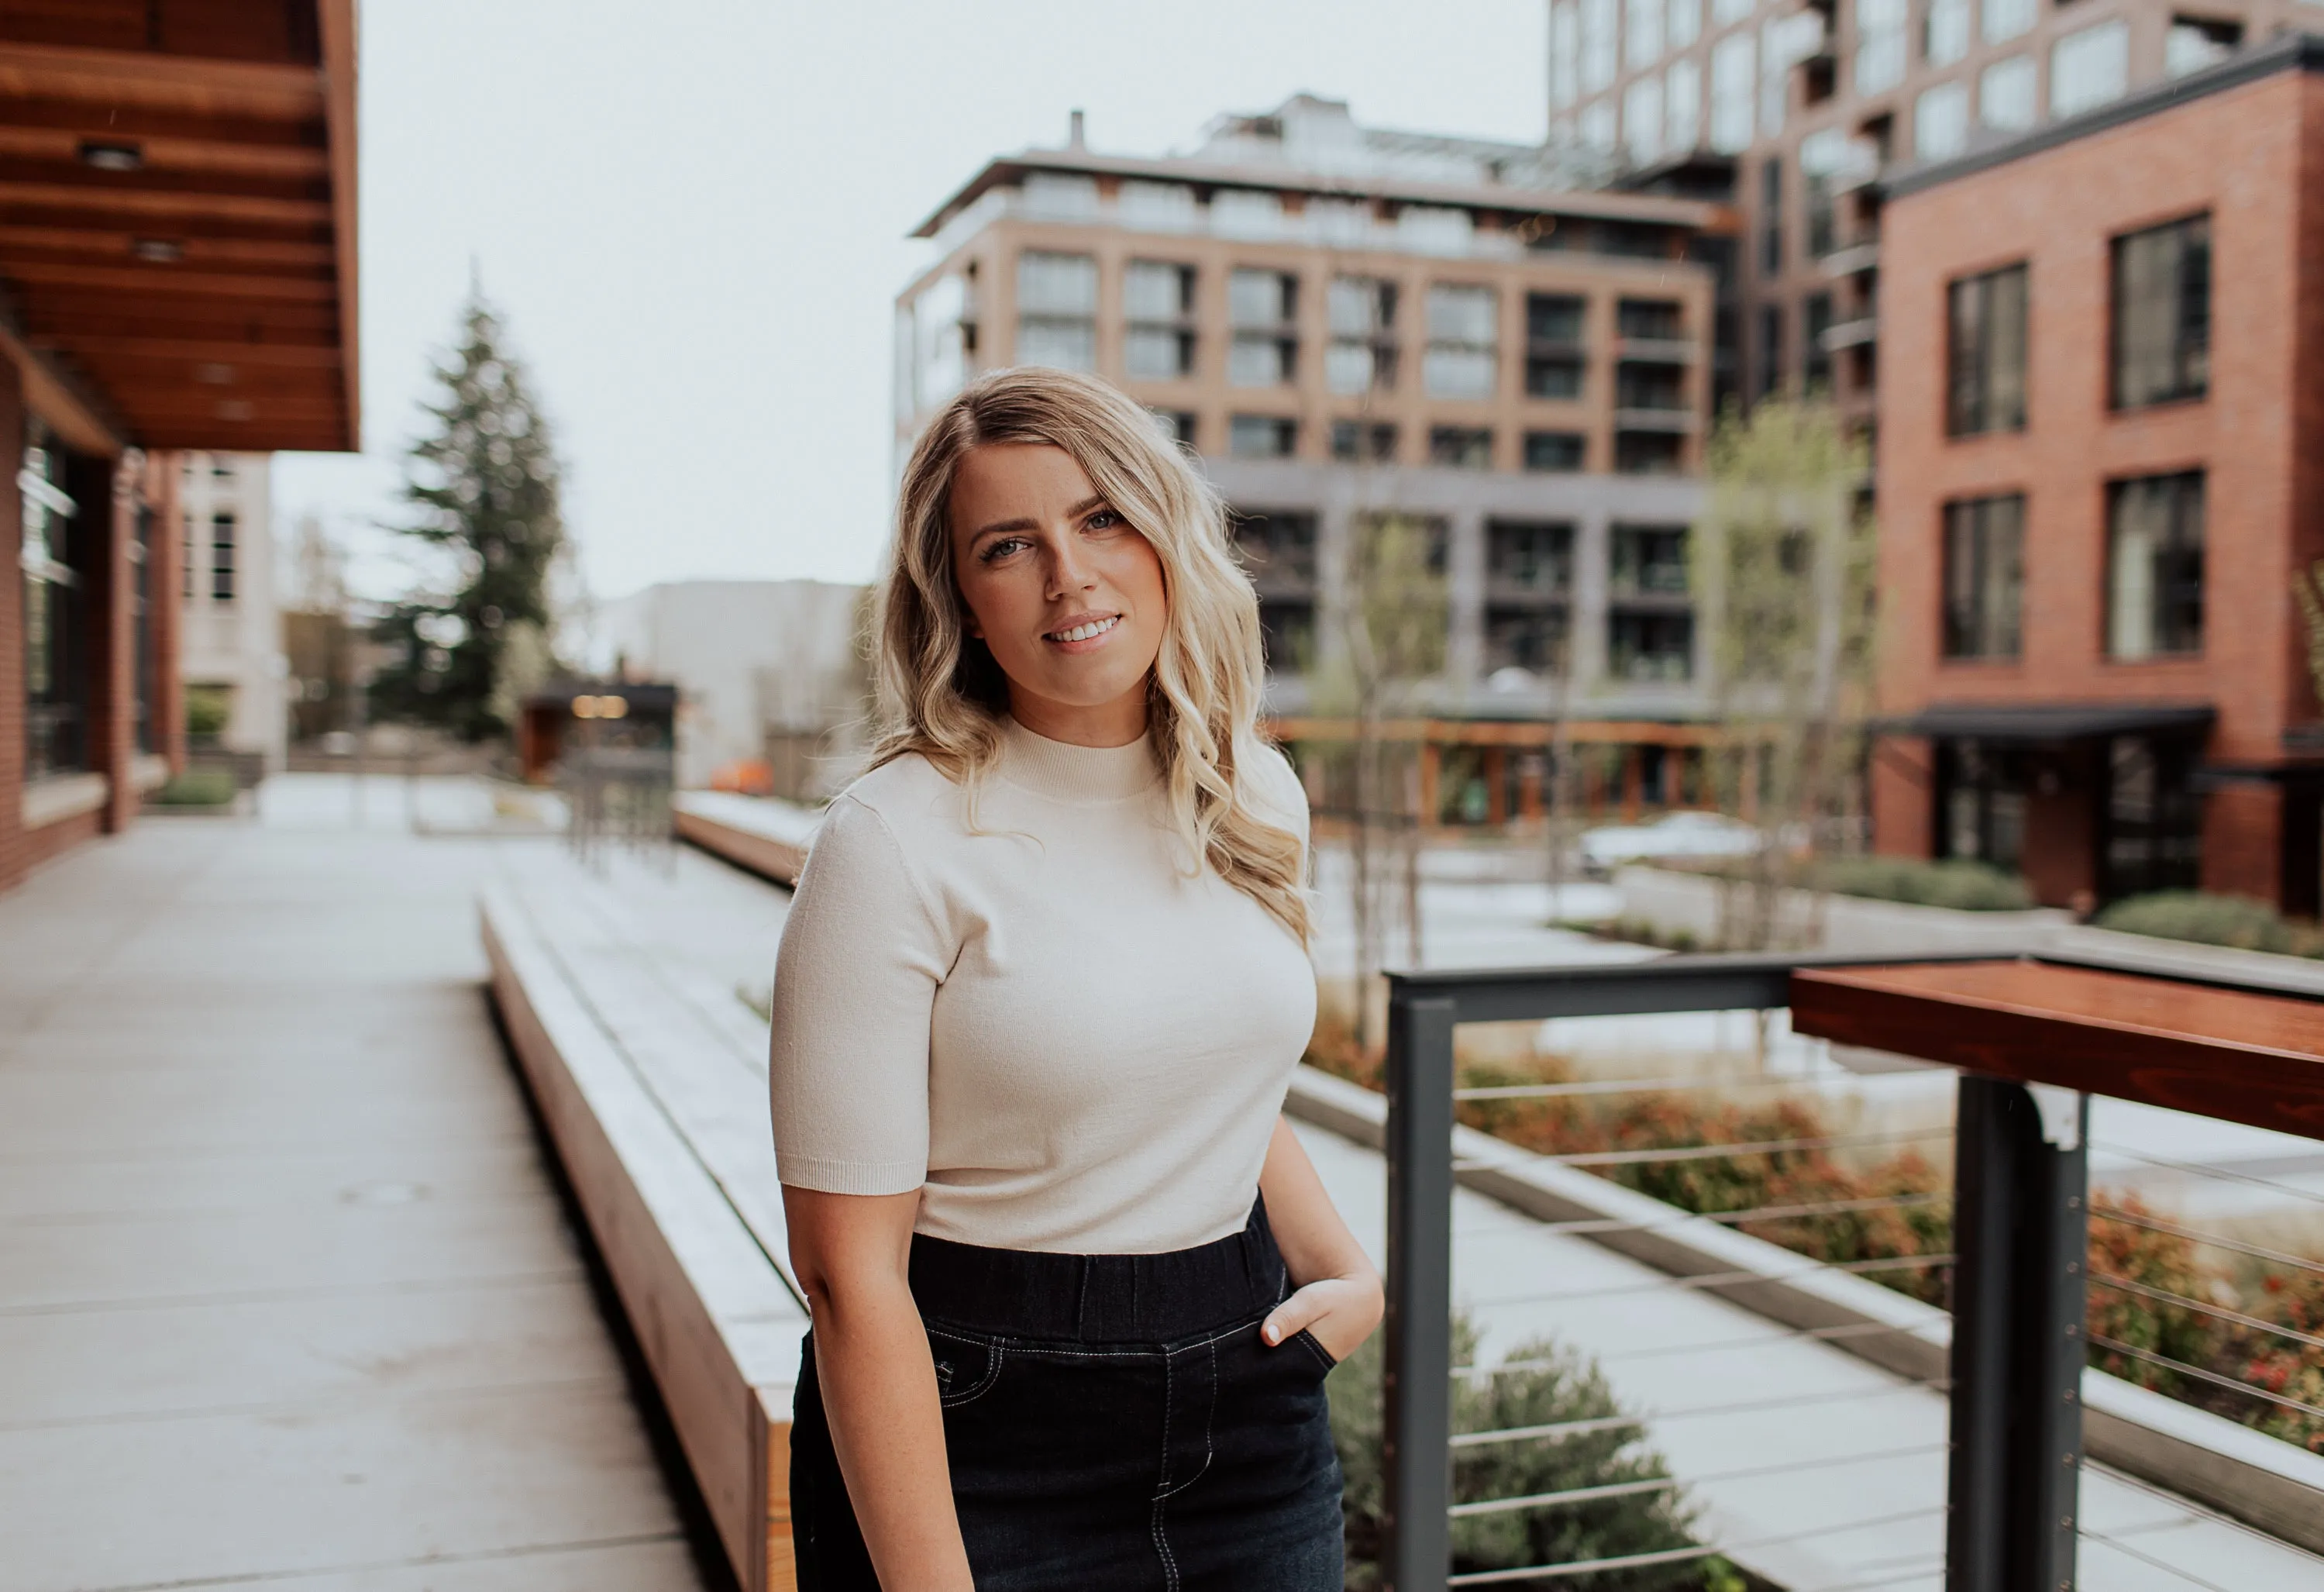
[
  {"x": 654, "y": 1094},
  {"x": 768, "y": 839}
]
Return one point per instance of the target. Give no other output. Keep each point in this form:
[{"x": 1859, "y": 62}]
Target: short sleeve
[{"x": 855, "y": 983}]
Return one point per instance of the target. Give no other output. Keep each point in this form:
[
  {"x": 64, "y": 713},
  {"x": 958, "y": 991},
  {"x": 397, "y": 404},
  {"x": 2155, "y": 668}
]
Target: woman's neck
[{"x": 1117, "y": 723}]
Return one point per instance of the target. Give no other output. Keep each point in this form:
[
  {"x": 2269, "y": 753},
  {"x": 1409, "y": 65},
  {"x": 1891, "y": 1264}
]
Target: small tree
[
  {"x": 1785, "y": 563},
  {"x": 485, "y": 491},
  {"x": 1391, "y": 628}
]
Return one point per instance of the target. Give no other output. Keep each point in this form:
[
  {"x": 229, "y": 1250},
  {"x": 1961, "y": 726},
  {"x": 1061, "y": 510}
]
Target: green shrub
[
  {"x": 2235, "y": 921},
  {"x": 208, "y": 707},
  {"x": 1965, "y": 886},
  {"x": 197, "y": 787},
  {"x": 1565, "y": 1387}
]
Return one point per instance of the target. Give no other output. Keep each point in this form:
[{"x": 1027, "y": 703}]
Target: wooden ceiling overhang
[
  {"x": 178, "y": 220},
  {"x": 2241, "y": 1055}
]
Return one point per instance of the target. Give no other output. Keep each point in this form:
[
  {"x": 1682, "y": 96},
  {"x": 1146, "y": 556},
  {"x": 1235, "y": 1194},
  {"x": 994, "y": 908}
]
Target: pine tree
[{"x": 484, "y": 490}]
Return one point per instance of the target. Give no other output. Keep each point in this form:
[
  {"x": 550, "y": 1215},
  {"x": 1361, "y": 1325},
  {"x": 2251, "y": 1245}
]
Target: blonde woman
[{"x": 1075, "y": 1284}]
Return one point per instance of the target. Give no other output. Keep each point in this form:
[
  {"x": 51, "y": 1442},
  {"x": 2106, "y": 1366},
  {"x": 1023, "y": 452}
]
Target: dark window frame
[
  {"x": 2176, "y": 574},
  {"x": 2189, "y": 309},
  {"x": 1983, "y": 558},
  {"x": 1980, "y": 398}
]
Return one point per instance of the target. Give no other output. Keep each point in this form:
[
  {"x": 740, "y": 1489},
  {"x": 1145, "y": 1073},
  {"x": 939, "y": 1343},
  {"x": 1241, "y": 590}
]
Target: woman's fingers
[{"x": 1295, "y": 1314}]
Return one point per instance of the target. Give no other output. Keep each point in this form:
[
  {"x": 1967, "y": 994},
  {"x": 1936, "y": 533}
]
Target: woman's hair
[{"x": 942, "y": 694}]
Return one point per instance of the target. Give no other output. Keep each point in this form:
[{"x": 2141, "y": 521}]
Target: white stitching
[
  {"x": 1162, "y": 1543},
  {"x": 993, "y": 1352},
  {"x": 1209, "y": 1427}
]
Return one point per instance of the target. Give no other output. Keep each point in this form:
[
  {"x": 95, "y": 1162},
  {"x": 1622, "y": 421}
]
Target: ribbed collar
[{"x": 1067, "y": 773}]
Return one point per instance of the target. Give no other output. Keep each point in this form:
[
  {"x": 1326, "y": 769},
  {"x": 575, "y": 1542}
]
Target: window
[
  {"x": 1363, "y": 442},
  {"x": 1060, "y": 196},
  {"x": 1822, "y": 155},
  {"x": 1261, "y": 436},
  {"x": 1557, "y": 452},
  {"x": 1362, "y": 354},
  {"x": 1261, "y": 306},
  {"x": 1984, "y": 577},
  {"x": 2004, "y": 94},
  {"x": 1597, "y": 58},
  {"x": 2163, "y": 313},
  {"x": 1158, "y": 304},
  {"x": 1242, "y": 212},
  {"x": 1881, "y": 44},
  {"x": 1528, "y": 559},
  {"x": 1277, "y": 549},
  {"x": 1158, "y": 207},
  {"x": 1815, "y": 359},
  {"x": 1771, "y": 350},
  {"x": 1598, "y": 127},
  {"x": 1564, "y": 55},
  {"x": 1655, "y": 386},
  {"x": 1733, "y": 63},
  {"x": 1533, "y": 639},
  {"x": 1434, "y": 229},
  {"x": 2090, "y": 69},
  {"x": 1649, "y": 647},
  {"x": 1642, "y": 120},
  {"x": 1987, "y": 344},
  {"x": 1683, "y": 106},
  {"x": 1648, "y": 561},
  {"x": 1982, "y": 802},
  {"x": 1775, "y": 41},
  {"x": 2005, "y": 19},
  {"x": 1651, "y": 321},
  {"x": 1684, "y": 23},
  {"x": 1463, "y": 325},
  {"x": 1950, "y": 24},
  {"x": 1643, "y": 33},
  {"x": 51, "y": 561},
  {"x": 1056, "y": 311},
  {"x": 2154, "y": 566},
  {"x": 1941, "y": 122},
  {"x": 2153, "y": 817},
  {"x": 2195, "y": 42},
  {"x": 222, "y": 529},
  {"x": 1554, "y": 354},
  {"x": 1771, "y": 216},
  {"x": 1460, "y": 447},
  {"x": 1648, "y": 453},
  {"x": 1723, "y": 11},
  {"x": 1177, "y": 425}
]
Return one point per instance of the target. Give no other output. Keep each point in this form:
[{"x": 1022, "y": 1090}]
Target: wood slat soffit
[{"x": 177, "y": 219}]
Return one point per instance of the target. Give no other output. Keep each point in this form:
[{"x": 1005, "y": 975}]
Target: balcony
[
  {"x": 1852, "y": 334},
  {"x": 1678, "y": 421},
  {"x": 1658, "y": 350},
  {"x": 1855, "y": 259}
]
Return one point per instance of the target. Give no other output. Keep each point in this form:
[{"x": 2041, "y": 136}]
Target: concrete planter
[{"x": 1675, "y": 903}]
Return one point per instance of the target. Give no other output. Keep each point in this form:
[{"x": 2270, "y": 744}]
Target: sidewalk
[{"x": 286, "y": 1296}]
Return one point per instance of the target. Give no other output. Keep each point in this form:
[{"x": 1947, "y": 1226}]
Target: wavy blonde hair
[{"x": 942, "y": 694}]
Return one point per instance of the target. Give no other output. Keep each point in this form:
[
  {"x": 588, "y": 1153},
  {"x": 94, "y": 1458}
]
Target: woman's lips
[{"x": 1084, "y": 636}]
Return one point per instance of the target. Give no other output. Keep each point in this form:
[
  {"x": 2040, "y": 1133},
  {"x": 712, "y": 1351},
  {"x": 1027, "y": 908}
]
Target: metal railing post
[
  {"x": 2021, "y": 1228},
  {"x": 1417, "y": 1384}
]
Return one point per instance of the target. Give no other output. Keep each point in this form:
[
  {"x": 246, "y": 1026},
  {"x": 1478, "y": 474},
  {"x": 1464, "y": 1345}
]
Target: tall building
[
  {"x": 177, "y": 271},
  {"x": 2102, "y": 493},
  {"x": 1807, "y": 105},
  {"x": 231, "y": 659},
  {"x": 1346, "y": 322}
]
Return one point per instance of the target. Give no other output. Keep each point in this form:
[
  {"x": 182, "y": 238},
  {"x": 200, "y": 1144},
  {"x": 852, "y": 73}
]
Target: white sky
[{"x": 692, "y": 214}]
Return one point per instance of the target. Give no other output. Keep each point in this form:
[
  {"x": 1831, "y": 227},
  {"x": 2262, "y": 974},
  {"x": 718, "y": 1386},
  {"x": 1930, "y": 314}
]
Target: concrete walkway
[{"x": 286, "y": 1296}]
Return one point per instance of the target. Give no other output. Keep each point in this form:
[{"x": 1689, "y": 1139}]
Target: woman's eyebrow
[{"x": 1027, "y": 522}]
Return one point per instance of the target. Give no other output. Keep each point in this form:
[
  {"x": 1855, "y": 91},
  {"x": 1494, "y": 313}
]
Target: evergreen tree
[{"x": 485, "y": 491}]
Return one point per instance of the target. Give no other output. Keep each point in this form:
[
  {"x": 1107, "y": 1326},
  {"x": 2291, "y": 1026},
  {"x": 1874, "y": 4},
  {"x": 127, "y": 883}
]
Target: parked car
[{"x": 1675, "y": 834}]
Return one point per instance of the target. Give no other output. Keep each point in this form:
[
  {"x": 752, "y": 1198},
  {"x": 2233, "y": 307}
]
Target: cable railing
[{"x": 2020, "y": 1269}]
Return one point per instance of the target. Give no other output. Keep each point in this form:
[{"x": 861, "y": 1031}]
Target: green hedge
[
  {"x": 1965, "y": 886},
  {"x": 197, "y": 787},
  {"x": 2236, "y": 920}
]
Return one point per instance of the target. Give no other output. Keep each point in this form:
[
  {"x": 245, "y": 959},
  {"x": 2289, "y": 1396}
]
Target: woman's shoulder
[
  {"x": 909, "y": 796},
  {"x": 1274, "y": 784}
]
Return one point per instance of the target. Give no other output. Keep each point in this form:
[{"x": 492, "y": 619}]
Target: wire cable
[
  {"x": 2131, "y": 1219},
  {"x": 1638, "y": 1086},
  {"x": 1543, "y": 1572},
  {"x": 1765, "y": 1213},
  {"x": 1668, "y": 1483},
  {"x": 1714, "y": 1346},
  {"x": 1734, "y": 1278},
  {"x": 1512, "y": 1434},
  {"x": 2197, "y": 1372},
  {"x": 2120, "y": 1545},
  {"x": 2222, "y": 1173},
  {"x": 2124, "y": 1285}
]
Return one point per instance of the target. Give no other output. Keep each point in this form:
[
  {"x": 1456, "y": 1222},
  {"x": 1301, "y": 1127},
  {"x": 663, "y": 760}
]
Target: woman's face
[{"x": 1068, "y": 597}]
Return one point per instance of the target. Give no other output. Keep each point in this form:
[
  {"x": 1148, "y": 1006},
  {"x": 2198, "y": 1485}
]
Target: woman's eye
[
  {"x": 1000, "y": 547},
  {"x": 1104, "y": 520}
]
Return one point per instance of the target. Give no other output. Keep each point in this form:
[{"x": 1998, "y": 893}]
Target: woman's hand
[{"x": 1341, "y": 1312}]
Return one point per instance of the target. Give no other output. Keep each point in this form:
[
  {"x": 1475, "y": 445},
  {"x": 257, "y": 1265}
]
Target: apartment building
[
  {"x": 2098, "y": 503},
  {"x": 1798, "y": 106},
  {"x": 1345, "y": 321},
  {"x": 231, "y": 656}
]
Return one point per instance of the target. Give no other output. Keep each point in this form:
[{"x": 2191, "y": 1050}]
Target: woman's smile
[{"x": 1085, "y": 633}]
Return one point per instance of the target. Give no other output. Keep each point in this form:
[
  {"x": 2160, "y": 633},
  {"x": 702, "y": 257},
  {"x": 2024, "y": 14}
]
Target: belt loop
[{"x": 1081, "y": 1297}]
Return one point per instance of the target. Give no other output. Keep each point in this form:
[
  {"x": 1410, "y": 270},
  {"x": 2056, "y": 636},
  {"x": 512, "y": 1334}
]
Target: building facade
[
  {"x": 177, "y": 271},
  {"x": 1807, "y": 105},
  {"x": 231, "y": 657},
  {"x": 2099, "y": 502},
  {"x": 1347, "y": 324}
]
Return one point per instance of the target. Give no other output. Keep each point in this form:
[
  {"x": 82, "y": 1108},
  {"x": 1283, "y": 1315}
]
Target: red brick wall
[
  {"x": 2243, "y": 838},
  {"x": 53, "y": 840},
  {"x": 2058, "y": 209},
  {"x": 12, "y": 859},
  {"x": 1903, "y": 781},
  {"x": 164, "y": 475},
  {"x": 113, "y": 644}
]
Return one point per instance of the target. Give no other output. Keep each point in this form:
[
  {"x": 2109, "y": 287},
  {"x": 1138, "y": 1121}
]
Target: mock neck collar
[{"x": 1068, "y": 773}]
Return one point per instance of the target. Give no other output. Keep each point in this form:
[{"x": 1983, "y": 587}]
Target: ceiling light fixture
[
  {"x": 161, "y": 251},
  {"x": 109, "y": 156}
]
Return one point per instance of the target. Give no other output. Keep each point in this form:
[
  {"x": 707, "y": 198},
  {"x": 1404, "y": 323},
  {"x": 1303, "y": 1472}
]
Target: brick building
[
  {"x": 177, "y": 271},
  {"x": 1347, "y": 321},
  {"x": 2096, "y": 493}
]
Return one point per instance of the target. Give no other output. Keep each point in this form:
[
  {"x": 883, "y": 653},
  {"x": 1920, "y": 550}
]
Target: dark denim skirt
[{"x": 1112, "y": 1421}]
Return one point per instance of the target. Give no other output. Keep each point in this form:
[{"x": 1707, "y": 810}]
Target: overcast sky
[{"x": 692, "y": 214}]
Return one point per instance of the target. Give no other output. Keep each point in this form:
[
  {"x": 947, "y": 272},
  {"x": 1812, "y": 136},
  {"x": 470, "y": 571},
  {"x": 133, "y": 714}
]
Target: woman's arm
[
  {"x": 1338, "y": 1295},
  {"x": 879, "y": 1381}
]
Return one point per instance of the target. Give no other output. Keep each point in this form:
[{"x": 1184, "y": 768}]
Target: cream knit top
[{"x": 1046, "y": 1024}]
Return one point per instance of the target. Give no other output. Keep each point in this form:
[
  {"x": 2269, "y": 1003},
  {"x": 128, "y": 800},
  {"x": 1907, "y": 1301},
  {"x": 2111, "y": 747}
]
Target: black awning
[{"x": 2050, "y": 721}]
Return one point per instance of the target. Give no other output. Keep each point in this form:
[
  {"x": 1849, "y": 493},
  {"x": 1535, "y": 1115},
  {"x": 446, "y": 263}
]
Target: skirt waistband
[{"x": 1099, "y": 1298}]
